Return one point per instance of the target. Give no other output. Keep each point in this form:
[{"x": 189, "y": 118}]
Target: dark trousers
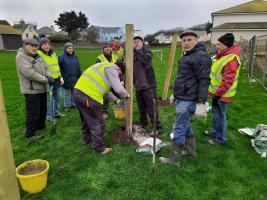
[
  {"x": 145, "y": 104},
  {"x": 36, "y": 108},
  {"x": 93, "y": 123}
]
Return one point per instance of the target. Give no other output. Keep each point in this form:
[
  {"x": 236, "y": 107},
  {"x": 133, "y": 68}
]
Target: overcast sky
[{"x": 147, "y": 15}]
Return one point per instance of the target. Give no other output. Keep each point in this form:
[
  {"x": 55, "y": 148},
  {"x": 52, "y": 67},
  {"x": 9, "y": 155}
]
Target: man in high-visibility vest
[
  {"x": 51, "y": 59},
  {"x": 107, "y": 55},
  {"x": 224, "y": 77},
  {"x": 89, "y": 92},
  {"x": 117, "y": 49}
]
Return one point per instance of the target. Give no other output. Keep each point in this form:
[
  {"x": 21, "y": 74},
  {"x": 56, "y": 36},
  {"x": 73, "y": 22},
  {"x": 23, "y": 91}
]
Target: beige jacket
[{"x": 32, "y": 72}]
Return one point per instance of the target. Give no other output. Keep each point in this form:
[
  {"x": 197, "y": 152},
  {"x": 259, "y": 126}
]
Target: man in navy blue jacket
[{"x": 70, "y": 70}]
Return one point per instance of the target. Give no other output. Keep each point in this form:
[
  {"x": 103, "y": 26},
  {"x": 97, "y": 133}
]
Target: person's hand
[
  {"x": 120, "y": 102},
  {"x": 201, "y": 110},
  {"x": 50, "y": 80},
  {"x": 61, "y": 81},
  {"x": 215, "y": 100},
  {"x": 172, "y": 99},
  {"x": 122, "y": 83},
  {"x": 128, "y": 96}
]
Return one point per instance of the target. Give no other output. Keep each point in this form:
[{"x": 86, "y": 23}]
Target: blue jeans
[
  {"x": 219, "y": 123},
  {"x": 182, "y": 128},
  {"x": 55, "y": 108},
  {"x": 68, "y": 98}
]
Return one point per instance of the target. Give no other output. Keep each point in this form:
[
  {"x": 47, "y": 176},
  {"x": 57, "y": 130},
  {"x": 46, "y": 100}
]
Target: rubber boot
[
  {"x": 175, "y": 155},
  {"x": 190, "y": 146}
]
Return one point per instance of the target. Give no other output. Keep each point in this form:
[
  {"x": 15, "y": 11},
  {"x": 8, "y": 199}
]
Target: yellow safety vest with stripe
[
  {"x": 52, "y": 63},
  {"x": 102, "y": 58},
  {"x": 93, "y": 81},
  {"x": 216, "y": 75},
  {"x": 120, "y": 54}
]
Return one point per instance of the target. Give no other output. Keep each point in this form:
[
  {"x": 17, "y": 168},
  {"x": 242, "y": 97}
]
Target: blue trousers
[
  {"x": 55, "y": 108},
  {"x": 219, "y": 123},
  {"x": 68, "y": 98},
  {"x": 182, "y": 128}
]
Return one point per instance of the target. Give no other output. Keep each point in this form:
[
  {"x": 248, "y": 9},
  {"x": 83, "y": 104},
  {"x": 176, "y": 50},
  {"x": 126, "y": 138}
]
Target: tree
[
  {"x": 92, "y": 34},
  {"x": 72, "y": 23},
  {"x": 208, "y": 27}
]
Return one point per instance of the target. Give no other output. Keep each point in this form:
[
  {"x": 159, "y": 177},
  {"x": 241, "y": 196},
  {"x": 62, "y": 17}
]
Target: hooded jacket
[
  {"x": 193, "y": 76},
  {"x": 32, "y": 72},
  {"x": 70, "y": 69},
  {"x": 228, "y": 73}
]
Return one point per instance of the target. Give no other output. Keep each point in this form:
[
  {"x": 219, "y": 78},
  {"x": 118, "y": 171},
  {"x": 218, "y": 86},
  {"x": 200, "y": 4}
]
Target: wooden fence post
[
  {"x": 8, "y": 181},
  {"x": 129, "y": 78},
  {"x": 169, "y": 66}
]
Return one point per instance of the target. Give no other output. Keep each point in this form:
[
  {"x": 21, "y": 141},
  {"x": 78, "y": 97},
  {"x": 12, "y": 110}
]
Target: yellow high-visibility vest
[
  {"x": 216, "y": 75},
  {"x": 52, "y": 62},
  {"x": 93, "y": 81},
  {"x": 120, "y": 54},
  {"x": 102, "y": 58}
]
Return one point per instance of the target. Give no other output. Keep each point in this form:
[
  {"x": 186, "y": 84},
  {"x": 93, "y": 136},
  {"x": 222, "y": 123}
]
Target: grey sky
[{"x": 147, "y": 15}]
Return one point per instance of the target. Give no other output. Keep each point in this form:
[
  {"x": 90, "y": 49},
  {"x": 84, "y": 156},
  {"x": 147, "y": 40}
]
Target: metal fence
[{"x": 254, "y": 53}]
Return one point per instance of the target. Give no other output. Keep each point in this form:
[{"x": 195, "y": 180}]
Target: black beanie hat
[
  {"x": 227, "y": 39},
  {"x": 121, "y": 65}
]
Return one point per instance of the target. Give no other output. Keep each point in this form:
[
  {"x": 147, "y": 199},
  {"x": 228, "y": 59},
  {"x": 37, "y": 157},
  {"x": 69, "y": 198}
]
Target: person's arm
[
  {"x": 111, "y": 96},
  {"x": 114, "y": 81},
  {"x": 228, "y": 77},
  {"x": 79, "y": 68},
  {"x": 61, "y": 64},
  {"x": 202, "y": 71},
  {"x": 25, "y": 68},
  {"x": 144, "y": 57}
]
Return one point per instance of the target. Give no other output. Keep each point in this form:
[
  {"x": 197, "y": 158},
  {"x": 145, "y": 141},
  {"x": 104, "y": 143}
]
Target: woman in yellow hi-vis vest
[
  {"x": 89, "y": 91},
  {"x": 224, "y": 78},
  {"x": 51, "y": 59}
]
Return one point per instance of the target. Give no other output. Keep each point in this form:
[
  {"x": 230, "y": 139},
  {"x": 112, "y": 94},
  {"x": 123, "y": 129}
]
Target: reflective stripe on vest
[
  {"x": 216, "y": 75},
  {"x": 93, "y": 81},
  {"x": 102, "y": 58},
  {"x": 52, "y": 63}
]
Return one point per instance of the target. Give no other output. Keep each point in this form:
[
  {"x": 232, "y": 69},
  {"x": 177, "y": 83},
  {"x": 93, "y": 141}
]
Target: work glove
[
  {"x": 50, "y": 80},
  {"x": 61, "y": 81},
  {"x": 120, "y": 102},
  {"x": 215, "y": 101},
  {"x": 122, "y": 83},
  {"x": 128, "y": 96},
  {"x": 172, "y": 99},
  {"x": 201, "y": 111}
]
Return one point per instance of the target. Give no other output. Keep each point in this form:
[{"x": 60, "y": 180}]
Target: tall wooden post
[
  {"x": 129, "y": 77},
  {"x": 8, "y": 181},
  {"x": 169, "y": 66}
]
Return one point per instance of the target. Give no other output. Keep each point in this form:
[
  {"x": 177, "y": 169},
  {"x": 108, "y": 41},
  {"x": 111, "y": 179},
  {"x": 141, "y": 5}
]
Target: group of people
[{"x": 197, "y": 78}]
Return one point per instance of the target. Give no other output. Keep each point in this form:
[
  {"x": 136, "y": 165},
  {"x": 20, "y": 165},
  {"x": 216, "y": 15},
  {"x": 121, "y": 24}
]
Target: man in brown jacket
[{"x": 33, "y": 78}]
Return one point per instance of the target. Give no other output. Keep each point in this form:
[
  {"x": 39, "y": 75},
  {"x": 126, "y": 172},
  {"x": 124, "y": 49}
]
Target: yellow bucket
[
  {"x": 118, "y": 112},
  {"x": 32, "y": 175}
]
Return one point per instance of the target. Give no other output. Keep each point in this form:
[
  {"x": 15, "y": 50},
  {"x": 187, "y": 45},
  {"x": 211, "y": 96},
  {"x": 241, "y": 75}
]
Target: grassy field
[{"x": 231, "y": 172}]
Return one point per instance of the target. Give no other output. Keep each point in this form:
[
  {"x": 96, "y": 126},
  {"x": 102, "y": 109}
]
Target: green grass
[{"x": 231, "y": 172}]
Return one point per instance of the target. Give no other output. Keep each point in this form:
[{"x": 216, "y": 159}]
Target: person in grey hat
[
  {"x": 190, "y": 92},
  {"x": 33, "y": 78},
  {"x": 70, "y": 70}
]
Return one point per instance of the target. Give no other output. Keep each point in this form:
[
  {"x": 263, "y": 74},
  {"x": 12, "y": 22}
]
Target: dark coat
[
  {"x": 70, "y": 69},
  {"x": 143, "y": 72},
  {"x": 193, "y": 75}
]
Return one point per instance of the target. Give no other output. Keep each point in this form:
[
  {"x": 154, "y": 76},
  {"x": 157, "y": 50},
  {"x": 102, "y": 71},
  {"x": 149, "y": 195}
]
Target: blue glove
[
  {"x": 120, "y": 102},
  {"x": 50, "y": 80}
]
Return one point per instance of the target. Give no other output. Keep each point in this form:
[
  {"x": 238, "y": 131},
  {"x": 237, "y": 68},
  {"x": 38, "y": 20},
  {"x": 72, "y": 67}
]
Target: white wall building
[{"x": 244, "y": 21}]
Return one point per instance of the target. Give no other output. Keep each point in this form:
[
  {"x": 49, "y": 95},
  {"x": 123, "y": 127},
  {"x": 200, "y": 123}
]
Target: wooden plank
[
  {"x": 8, "y": 181},
  {"x": 169, "y": 66},
  {"x": 129, "y": 77}
]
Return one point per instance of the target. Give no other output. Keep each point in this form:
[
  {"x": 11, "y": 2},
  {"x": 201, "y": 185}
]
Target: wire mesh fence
[{"x": 254, "y": 53}]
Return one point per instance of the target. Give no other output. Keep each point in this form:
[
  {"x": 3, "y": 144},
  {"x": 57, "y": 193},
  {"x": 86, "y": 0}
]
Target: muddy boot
[
  {"x": 190, "y": 146},
  {"x": 175, "y": 155}
]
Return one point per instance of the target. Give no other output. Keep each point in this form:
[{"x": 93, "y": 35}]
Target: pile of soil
[
  {"x": 119, "y": 136},
  {"x": 163, "y": 102}
]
